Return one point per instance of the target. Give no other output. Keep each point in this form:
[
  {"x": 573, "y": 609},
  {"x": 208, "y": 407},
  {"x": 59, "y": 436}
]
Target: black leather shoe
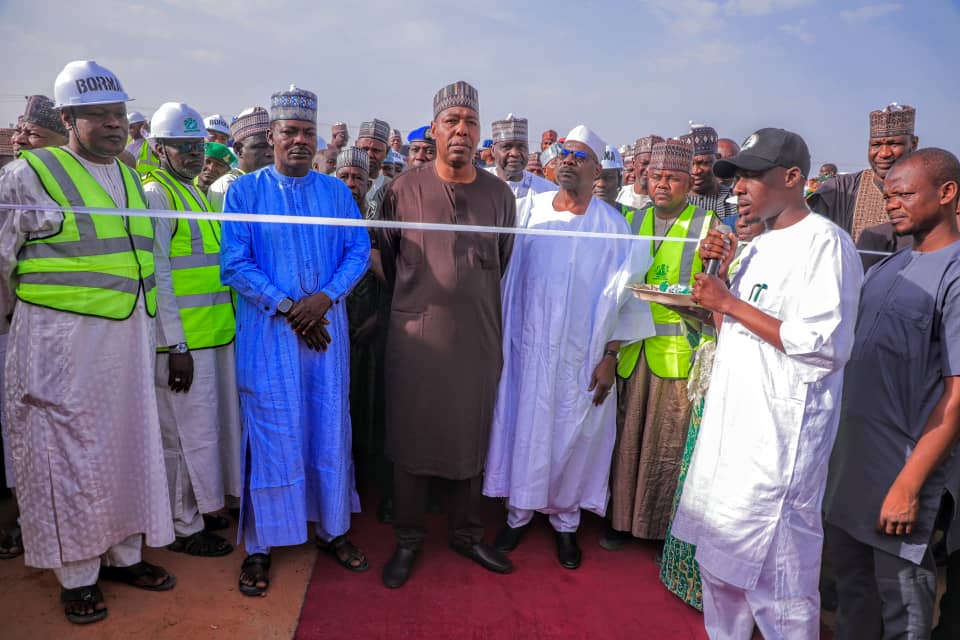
[
  {"x": 485, "y": 556},
  {"x": 509, "y": 537},
  {"x": 568, "y": 551},
  {"x": 397, "y": 570}
]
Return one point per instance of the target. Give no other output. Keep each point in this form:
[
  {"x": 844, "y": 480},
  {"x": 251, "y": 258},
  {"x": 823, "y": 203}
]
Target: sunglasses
[
  {"x": 186, "y": 147},
  {"x": 578, "y": 156}
]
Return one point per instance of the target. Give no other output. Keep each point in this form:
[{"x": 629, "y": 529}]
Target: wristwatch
[
  {"x": 179, "y": 348},
  {"x": 285, "y": 305}
]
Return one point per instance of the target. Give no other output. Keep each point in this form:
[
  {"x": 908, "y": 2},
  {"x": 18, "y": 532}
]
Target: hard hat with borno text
[{"x": 84, "y": 83}]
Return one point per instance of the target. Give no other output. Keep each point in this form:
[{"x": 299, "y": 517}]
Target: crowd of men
[{"x": 164, "y": 369}]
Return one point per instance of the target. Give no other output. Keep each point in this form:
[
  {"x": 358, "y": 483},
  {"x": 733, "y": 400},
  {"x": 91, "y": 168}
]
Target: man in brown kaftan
[{"x": 443, "y": 355}]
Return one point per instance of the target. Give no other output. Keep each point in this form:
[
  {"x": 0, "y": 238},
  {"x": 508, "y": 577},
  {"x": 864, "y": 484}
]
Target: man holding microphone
[{"x": 752, "y": 497}]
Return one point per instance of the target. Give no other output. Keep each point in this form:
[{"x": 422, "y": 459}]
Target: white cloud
[
  {"x": 799, "y": 29},
  {"x": 764, "y": 7},
  {"x": 870, "y": 11},
  {"x": 688, "y": 17}
]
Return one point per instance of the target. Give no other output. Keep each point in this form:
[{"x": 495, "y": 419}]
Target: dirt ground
[{"x": 204, "y": 604}]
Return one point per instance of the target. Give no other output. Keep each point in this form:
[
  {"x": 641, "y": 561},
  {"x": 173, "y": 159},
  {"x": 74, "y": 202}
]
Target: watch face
[{"x": 285, "y": 305}]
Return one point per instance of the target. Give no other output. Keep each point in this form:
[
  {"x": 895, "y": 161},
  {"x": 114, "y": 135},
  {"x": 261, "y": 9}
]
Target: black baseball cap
[{"x": 766, "y": 149}]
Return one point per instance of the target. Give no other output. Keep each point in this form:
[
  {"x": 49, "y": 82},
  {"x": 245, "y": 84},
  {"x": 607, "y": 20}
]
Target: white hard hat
[
  {"x": 133, "y": 117},
  {"x": 176, "y": 120},
  {"x": 84, "y": 82},
  {"x": 611, "y": 159},
  {"x": 217, "y": 123}
]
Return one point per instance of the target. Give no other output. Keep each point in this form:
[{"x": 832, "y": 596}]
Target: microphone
[{"x": 713, "y": 264}]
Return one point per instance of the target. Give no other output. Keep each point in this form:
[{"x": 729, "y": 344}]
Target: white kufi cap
[{"x": 581, "y": 133}]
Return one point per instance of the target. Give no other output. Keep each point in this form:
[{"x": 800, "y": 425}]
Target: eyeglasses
[
  {"x": 578, "y": 156},
  {"x": 188, "y": 146}
]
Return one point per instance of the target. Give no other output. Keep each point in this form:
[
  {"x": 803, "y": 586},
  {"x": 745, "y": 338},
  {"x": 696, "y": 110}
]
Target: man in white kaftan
[
  {"x": 78, "y": 388},
  {"x": 566, "y": 308},
  {"x": 751, "y": 500},
  {"x": 199, "y": 421},
  {"x": 511, "y": 149}
]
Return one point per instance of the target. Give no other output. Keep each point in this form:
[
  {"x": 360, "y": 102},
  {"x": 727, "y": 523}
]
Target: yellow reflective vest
[
  {"x": 668, "y": 353},
  {"x": 147, "y": 160},
  {"x": 95, "y": 265},
  {"x": 205, "y": 305}
]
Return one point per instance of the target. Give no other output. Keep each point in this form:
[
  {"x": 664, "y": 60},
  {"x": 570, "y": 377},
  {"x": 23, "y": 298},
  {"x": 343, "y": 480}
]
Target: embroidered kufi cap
[
  {"x": 510, "y": 129},
  {"x": 671, "y": 155},
  {"x": 645, "y": 144},
  {"x": 294, "y": 104},
  {"x": 40, "y": 111},
  {"x": 249, "y": 122},
  {"x": 353, "y": 157},
  {"x": 893, "y": 120},
  {"x": 458, "y": 94},
  {"x": 703, "y": 138},
  {"x": 376, "y": 129}
]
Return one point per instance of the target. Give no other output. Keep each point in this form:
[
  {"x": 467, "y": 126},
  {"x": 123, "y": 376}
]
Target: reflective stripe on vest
[
  {"x": 668, "y": 353},
  {"x": 94, "y": 265},
  {"x": 147, "y": 160},
  {"x": 205, "y": 305}
]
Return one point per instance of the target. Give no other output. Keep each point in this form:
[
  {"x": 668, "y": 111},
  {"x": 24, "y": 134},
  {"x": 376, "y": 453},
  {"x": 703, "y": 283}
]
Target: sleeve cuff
[{"x": 269, "y": 299}]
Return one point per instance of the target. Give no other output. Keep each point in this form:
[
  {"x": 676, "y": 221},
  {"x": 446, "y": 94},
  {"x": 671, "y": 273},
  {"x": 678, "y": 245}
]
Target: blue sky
[{"x": 624, "y": 69}]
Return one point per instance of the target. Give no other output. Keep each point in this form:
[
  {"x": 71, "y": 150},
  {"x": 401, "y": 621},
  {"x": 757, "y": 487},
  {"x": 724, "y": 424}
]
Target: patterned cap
[
  {"x": 645, "y": 144},
  {"x": 626, "y": 152},
  {"x": 509, "y": 129},
  {"x": 422, "y": 134},
  {"x": 550, "y": 153},
  {"x": 394, "y": 158},
  {"x": 703, "y": 138},
  {"x": 294, "y": 104},
  {"x": 458, "y": 94},
  {"x": 395, "y": 133},
  {"x": 893, "y": 120},
  {"x": 40, "y": 112},
  {"x": 353, "y": 157},
  {"x": 376, "y": 129},
  {"x": 671, "y": 155},
  {"x": 338, "y": 126},
  {"x": 549, "y": 133},
  {"x": 250, "y": 122}
]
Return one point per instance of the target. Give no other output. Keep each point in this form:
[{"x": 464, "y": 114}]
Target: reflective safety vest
[
  {"x": 147, "y": 160},
  {"x": 95, "y": 265},
  {"x": 206, "y": 305},
  {"x": 668, "y": 353}
]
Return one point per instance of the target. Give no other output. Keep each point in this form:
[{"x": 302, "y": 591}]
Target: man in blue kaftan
[{"x": 293, "y": 352}]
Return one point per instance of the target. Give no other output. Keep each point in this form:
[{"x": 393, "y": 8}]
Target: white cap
[
  {"x": 133, "y": 117},
  {"x": 611, "y": 159},
  {"x": 84, "y": 82},
  {"x": 217, "y": 123},
  {"x": 321, "y": 143},
  {"x": 581, "y": 133},
  {"x": 176, "y": 120}
]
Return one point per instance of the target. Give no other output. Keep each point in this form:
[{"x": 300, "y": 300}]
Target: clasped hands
[{"x": 307, "y": 318}]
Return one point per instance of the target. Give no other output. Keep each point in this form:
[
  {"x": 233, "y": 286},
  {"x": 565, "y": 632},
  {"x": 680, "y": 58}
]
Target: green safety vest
[
  {"x": 669, "y": 352},
  {"x": 206, "y": 305},
  {"x": 147, "y": 160},
  {"x": 95, "y": 265}
]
